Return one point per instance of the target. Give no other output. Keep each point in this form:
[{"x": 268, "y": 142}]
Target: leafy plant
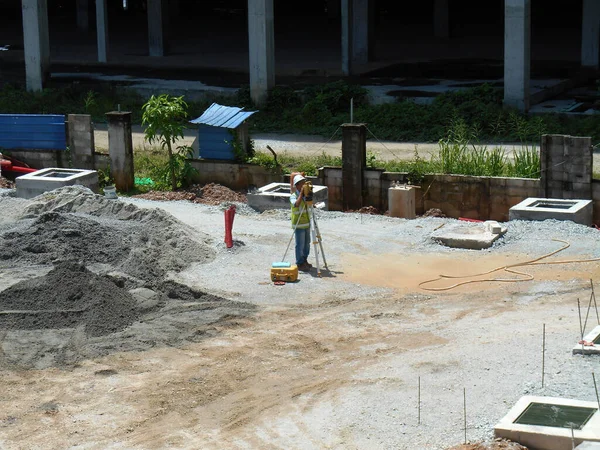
[{"x": 164, "y": 118}]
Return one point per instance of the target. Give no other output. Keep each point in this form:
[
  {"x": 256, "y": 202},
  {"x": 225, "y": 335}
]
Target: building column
[
  {"x": 355, "y": 34},
  {"x": 517, "y": 53},
  {"x": 158, "y": 26},
  {"x": 120, "y": 149},
  {"x": 354, "y": 157},
  {"x": 102, "y": 30},
  {"x": 261, "y": 39},
  {"x": 83, "y": 15},
  {"x": 590, "y": 33},
  {"x": 441, "y": 19},
  {"x": 36, "y": 43}
]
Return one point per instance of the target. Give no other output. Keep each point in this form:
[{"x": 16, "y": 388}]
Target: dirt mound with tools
[
  {"x": 211, "y": 194},
  {"x": 6, "y": 184}
]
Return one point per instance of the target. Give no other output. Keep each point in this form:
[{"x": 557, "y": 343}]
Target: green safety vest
[{"x": 300, "y": 221}]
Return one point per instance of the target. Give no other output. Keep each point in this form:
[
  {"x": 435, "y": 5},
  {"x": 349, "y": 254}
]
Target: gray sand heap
[
  {"x": 108, "y": 289},
  {"x": 74, "y": 224},
  {"x": 68, "y": 296}
]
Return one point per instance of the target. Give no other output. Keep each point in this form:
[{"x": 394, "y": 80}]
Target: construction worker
[{"x": 300, "y": 224}]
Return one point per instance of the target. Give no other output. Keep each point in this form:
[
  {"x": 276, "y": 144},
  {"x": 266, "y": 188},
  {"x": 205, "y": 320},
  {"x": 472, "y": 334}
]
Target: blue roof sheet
[{"x": 223, "y": 116}]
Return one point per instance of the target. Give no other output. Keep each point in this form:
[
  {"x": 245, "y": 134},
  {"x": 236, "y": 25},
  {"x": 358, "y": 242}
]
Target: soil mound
[
  {"x": 210, "y": 194},
  {"x": 74, "y": 224},
  {"x": 66, "y": 297}
]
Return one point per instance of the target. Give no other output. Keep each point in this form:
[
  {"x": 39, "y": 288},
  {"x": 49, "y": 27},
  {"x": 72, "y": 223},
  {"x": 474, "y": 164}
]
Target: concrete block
[
  {"x": 546, "y": 437},
  {"x": 36, "y": 183},
  {"x": 401, "y": 202},
  {"x": 473, "y": 236},
  {"x": 578, "y": 211},
  {"x": 594, "y": 348},
  {"x": 277, "y": 196}
]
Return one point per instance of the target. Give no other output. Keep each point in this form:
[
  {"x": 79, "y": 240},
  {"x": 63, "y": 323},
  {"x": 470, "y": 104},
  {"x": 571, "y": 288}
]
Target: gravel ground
[{"x": 330, "y": 362}]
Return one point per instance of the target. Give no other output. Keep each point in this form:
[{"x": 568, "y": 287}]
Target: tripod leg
[
  {"x": 313, "y": 234},
  {"x": 318, "y": 233}
]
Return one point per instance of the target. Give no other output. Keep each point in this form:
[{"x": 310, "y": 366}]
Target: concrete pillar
[
  {"x": 81, "y": 141},
  {"x": 441, "y": 19},
  {"x": 517, "y": 53},
  {"x": 590, "y": 33},
  {"x": 120, "y": 149},
  {"x": 354, "y": 161},
  {"x": 36, "y": 43},
  {"x": 355, "y": 34},
  {"x": 102, "y": 30},
  {"x": 158, "y": 27},
  {"x": 83, "y": 15},
  {"x": 261, "y": 40}
]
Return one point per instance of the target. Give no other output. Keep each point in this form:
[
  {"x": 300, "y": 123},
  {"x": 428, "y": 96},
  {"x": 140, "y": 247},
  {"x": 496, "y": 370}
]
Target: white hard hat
[{"x": 298, "y": 179}]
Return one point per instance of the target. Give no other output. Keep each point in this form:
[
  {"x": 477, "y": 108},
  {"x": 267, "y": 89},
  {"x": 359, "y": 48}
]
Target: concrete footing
[
  {"x": 36, "y": 183},
  {"x": 581, "y": 349},
  {"x": 277, "y": 196},
  {"x": 548, "y": 437},
  {"x": 578, "y": 211},
  {"x": 473, "y": 236}
]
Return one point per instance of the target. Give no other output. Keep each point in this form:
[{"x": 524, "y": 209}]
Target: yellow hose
[{"x": 526, "y": 276}]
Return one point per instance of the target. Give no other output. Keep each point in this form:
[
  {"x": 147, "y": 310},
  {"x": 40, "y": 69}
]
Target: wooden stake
[
  {"x": 572, "y": 438},
  {"x": 543, "y": 353},
  {"x": 596, "y": 389},
  {"x": 580, "y": 324},
  {"x": 419, "y": 406},
  {"x": 465, "y": 410}
]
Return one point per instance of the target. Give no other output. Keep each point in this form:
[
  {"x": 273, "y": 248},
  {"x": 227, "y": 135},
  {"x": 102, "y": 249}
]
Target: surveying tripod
[{"x": 315, "y": 234}]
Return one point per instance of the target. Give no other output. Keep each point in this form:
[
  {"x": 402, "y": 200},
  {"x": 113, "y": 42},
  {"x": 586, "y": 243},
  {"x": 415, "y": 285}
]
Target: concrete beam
[
  {"x": 36, "y": 43},
  {"x": 102, "y": 30},
  {"x": 441, "y": 19},
  {"x": 517, "y": 53},
  {"x": 83, "y": 15},
  {"x": 590, "y": 33},
  {"x": 158, "y": 26},
  {"x": 261, "y": 39}
]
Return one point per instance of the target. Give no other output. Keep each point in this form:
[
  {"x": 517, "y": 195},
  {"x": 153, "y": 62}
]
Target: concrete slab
[
  {"x": 277, "y": 196},
  {"x": 578, "y": 211},
  {"x": 546, "y": 437},
  {"x": 473, "y": 236},
  {"x": 36, "y": 183},
  {"x": 594, "y": 349},
  {"x": 588, "y": 446}
]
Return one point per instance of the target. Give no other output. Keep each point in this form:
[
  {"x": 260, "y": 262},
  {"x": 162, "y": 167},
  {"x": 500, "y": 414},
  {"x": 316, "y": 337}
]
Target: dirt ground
[{"x": 330, "y": 362}]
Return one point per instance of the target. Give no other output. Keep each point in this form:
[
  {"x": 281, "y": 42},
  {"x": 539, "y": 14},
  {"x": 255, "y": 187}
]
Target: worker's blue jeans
[{"x": 302, "y": 245}]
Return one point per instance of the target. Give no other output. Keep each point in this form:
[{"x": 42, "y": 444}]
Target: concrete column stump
[
  {"x": 354, "y": 161},
  {"x": 81, "y": 141},
  {"x": 401, "y": 202},
  {"x": 120, "y": 149}
]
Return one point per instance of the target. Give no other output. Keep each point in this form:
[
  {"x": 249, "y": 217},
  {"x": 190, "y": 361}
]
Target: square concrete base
[
  {"x": 588, "y": 446},
  {"x": 543, "y": 437},
  {"x": 36, "y": 183},
  {"x": 578, "y": 211},
  {"x": 473, "y": 236},
  {"x": 277, "y": 196},
  {"x": 589, "y": 349}
]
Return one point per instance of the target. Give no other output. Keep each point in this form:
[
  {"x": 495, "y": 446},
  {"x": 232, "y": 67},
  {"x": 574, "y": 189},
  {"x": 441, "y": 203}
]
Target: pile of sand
[{"x": 74, "y": 224}]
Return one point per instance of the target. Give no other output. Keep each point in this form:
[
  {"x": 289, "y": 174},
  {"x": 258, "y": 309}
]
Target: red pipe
[{"x": 229, "y": 215}]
